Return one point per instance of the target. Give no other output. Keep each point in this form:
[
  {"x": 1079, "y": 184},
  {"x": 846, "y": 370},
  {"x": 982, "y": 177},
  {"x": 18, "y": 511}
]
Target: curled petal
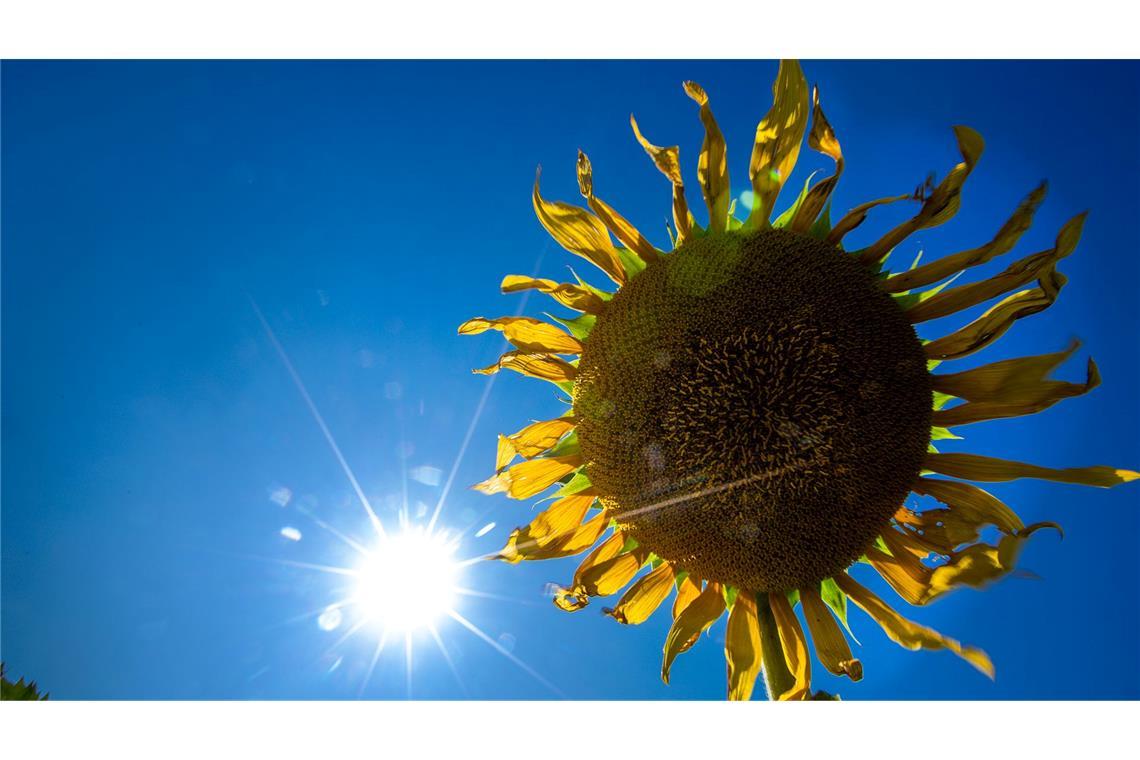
[
  {"x": 997, "y": 320},
  {"x": 526, "y": 334},
  {"x": 579, "y": 232},
  {"x": 821, "y": 138},
  {"x": 1036, "y": 400},
  {"x": 532, "y": 440},
  {"x": 525, "y": 479},
  {"x": 993, "y": 470},
  {"x": 831, "y": 647},
  {"x": 907, "y": 633},
  {"x": 701, "y": 613},
  {"x": 742, "y": 647},
  {"x": 669, "y": 163},
  {"x": 524, "y": 544},
  {"x": 970, "y": 503},
  {"x": 615, "y": 222},
  {"x": 857, "y": 215},
  {"x": 570, "y": 296},
  {"x": 575, "y": 598},
  {"x": 942, "y": 203},
  {"x": 794, "y": 644},
  {"x": 712, "y": 167},
  {"x": 541, "y": 366},
  {"x": 778, "y": 138},
  {"x": 1017, "y": 274},
  {"x": 644, "y": 597},
  {"x": 1011, "y": 378},
  {"x": 1003, "y": 242}
]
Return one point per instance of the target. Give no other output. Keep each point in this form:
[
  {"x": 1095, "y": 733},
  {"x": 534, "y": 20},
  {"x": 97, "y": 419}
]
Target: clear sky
[{"x": 155, "y": 445}]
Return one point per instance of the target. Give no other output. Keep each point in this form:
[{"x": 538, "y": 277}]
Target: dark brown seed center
[{"x": 754, "y": 408}]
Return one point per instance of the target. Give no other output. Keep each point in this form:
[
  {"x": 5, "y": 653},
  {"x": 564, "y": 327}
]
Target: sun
[
  {"x": 750, "y": 410},
  {"x": 409, "y": 581}
]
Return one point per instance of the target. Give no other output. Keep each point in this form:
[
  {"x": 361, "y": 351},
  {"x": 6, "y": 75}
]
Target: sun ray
[
  {"x": 501, "y": 650},
  {"x": 447, "y": 658},
  {"x": 372, "y": 665}
]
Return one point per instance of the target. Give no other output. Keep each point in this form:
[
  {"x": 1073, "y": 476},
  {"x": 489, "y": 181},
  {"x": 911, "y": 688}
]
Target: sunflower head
[{"x": 750, "y": 409}]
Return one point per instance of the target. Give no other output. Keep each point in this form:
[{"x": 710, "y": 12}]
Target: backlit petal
[
  {"x": 742, "y": 647},
  {"x": 778, "y": 138},
  {"x": 794, "y": 644},
  {"x": 579, "y": 232},
  {"x": 701, "y": 613},
  {"x": 993, "y": 470},
  {"x": 644, "y": 597},
  {"x": 831, "y": 647},
  {"x": 712, "y": 167},
  {"x": 541, "y": 366},
  {"x": 615, "y": 222},
  {"x": 526, "y": 334},
  {"x": 669, "y": 163},
  {"x": 570, "y": 296}
]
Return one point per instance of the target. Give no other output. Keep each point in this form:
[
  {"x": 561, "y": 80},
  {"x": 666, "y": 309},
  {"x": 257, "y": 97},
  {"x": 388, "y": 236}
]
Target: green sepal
[
  {"x": 834, "y": 598},
  {"x": 784, "y": 219},
  {"x": 821, "y": 227},
  {"x": 578, "y": 483},
  {"x": 567, "y": 446},
  {"x": 605, "y": 295},
  {"x": 940, "y": 400},
  {"x": 943, "y": 434},
  {"x": 679, "y": 578},
  {"x": 729, "y": 593},
  {"x": 793, "y": 597},
  {"x": 631, "y": 262},
  {"x": 580, "y": 327}
]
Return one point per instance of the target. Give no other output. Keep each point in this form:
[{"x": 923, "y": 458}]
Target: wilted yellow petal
[
  {"x": 644, "y": 597},
  {"x": 575, "y": 598},
  {"x": 794, "y": 644},
  {"x": 525, "y": 479},
  {"x": 669, "y": 163},
  {"x": 992, "y": 470},
  {"x": 687, "y": 590},
  {"x": 901, "y": 570},
  {"x": 570, "y": 296},
  {"x": 857, "y": 215},
  {"x": 831, "y": 647},
  {"x": 1029, "y": 402},
  {"x": 778, "y": 138},
  {"x": 615, "y": 222},
  {"x": 523, "y": 546},
  {"x": 581, "y": 233},
  {"x": 1017, "y": 274},
  {"x": 909, "y": 634},
  {"x": 821, "y": 138},
  {"x": 997, "y": 320},
  {"x": 539, "y": 437},
  {"x": 1003, "y": 242},
  {"x": 609, "y": 577},
  {"x": 1023, "y": 377},
  {"x": 559, "y": 521},
  {"x": 541, "y": 366},
  {"x": 526, "y": 334},
  {"x": 701, "y": 613},
  {"x": 742, "y": 647},
  {"x": 970, "y": 503},
  {"x": 942, "y": 203},
  {"x": 980, "y": 564},
  {"x": 712, "y": 167}
]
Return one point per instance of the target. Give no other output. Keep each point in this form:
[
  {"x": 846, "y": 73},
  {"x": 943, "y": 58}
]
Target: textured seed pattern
[{"x": 754, "y": 408}]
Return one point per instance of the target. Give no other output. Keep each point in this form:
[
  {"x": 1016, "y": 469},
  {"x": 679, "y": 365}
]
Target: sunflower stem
[{"x": 777, "y": 677}]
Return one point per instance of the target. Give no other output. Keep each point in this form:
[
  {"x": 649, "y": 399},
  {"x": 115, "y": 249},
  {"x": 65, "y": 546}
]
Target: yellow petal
[
  {"x": 857, "y": 215},
  {"x": 538, "y": 437},
  {"x": 980, "y": 564},
  {"x": 970, "y": 503},
  {"x": 794, "y": 644},
  {"x": 687, "y": 590},
  {"x": 992, "y": 470},
  {"x": 644, "y": 597},
  {"x": 712, "y": 167},
  {"x": 1032, "y": 401},
  {"x": 909, "y": 634},
  {"x": 556, "y": 523},
  {"x": 1012, "y": 378},
  {"x": 570, "y": 296},
  {"x": 609, "y": 577},
  {"x": 615, "y": 222},
  {"x": 668, "y": 163},
  {"x": 831, "y": 647},
  {"x": 701, "y": 613},
  {"x": 822, "y": 138},
  {"x": 526, "y": 334},
  {"x": 541, "y": 366},
  {"x": 778, "y": 138},
  {"x": 581, "y": 233},
  {"x": 522, "y": 546},
  {"x": 1003, "y": 242},
  {"x": 1017, "y": 274},
  {"x": 997, "y": 320},
  {"x": 525, "y": 479},
  {"x": 742, "y": 647},
  {"x": 575, "y": 598},
  {"x": 943, "y": 201}
]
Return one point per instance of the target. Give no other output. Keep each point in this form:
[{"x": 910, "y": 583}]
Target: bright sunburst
[{"x": 382, "y": 590}]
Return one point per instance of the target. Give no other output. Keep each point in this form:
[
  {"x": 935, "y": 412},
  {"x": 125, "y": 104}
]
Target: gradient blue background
[{"x": 369, "y": 208}]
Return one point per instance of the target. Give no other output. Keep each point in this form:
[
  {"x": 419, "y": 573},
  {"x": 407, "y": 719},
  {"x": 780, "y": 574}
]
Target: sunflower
[{"x": 749, "y": 411}]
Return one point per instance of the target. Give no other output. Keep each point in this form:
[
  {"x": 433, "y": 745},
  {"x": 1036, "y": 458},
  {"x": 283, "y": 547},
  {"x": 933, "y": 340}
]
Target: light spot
[
  {"x": 291, "y": 533},
  {"x": 429, "y": 476},
  {"x": 281, "y": 496},
  {"x": 507, "y": 641},
  {"x": 485, "y": 530},
  {"x": 747, "y": 199},
  {"x": 393, "y": 391},
  {"x": 330, "y": 620}
]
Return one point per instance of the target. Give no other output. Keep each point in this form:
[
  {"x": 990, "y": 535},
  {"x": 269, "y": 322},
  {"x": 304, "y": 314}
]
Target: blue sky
[{"x": 151, "y": 431}]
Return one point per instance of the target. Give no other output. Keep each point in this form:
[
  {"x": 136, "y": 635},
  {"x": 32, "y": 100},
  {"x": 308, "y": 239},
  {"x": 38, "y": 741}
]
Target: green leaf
[
  {"x": 834, "y": 598},
  {"x": 19, "y": 691}
]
